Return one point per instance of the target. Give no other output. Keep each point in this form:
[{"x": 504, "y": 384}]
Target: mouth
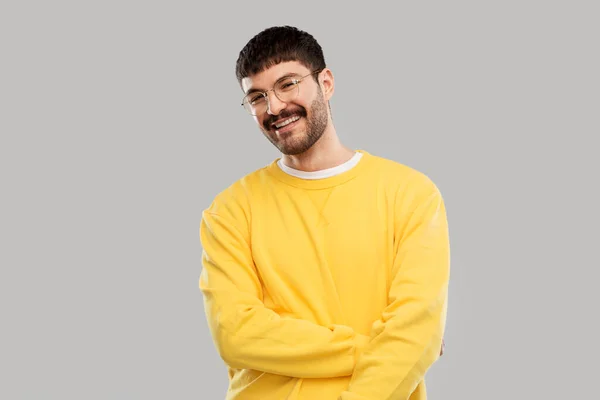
[{"x": 285, "y": 125}]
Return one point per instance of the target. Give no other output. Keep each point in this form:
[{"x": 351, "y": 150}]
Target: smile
[{"x": 286, "y": 122}]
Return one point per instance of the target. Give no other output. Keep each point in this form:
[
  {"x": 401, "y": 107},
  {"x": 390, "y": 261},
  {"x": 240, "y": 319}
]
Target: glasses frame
[{"x": 265, "y": 94}]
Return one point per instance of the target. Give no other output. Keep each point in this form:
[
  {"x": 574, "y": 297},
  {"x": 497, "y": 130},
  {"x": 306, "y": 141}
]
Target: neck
[{"x": 327, "y": 152}]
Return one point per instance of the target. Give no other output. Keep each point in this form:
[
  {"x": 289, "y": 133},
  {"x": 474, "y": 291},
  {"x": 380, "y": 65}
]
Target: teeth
[{"x": 287, "y": 122}]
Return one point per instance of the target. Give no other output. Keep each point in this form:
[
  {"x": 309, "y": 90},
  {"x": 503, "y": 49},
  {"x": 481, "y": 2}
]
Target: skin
[{"x": 313, "y": 144}]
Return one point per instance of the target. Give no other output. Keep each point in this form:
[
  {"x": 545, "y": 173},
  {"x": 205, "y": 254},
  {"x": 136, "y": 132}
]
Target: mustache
[{"x": 301, "y": 112}]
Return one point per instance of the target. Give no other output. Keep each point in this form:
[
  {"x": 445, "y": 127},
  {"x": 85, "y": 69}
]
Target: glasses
[{"x": 286, "y": 90}]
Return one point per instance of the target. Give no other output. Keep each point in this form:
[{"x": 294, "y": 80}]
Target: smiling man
[{"x": 324, "y": 274}]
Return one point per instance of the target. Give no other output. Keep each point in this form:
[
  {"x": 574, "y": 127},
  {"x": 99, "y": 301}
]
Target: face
[{"x": 308, "y": 111}]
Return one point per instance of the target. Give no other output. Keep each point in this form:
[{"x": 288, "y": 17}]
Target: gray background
[{"x": 120, "y": 121}]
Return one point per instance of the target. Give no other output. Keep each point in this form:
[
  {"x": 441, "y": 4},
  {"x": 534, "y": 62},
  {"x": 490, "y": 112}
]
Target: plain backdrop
[{"x": 121, "y": 120}]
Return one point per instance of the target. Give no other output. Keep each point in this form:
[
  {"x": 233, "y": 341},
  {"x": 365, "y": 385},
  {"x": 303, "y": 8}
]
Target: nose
[{"x": 274, "y": 105}]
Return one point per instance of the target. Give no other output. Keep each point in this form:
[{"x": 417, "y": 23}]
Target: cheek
[
  {"x": 259, "y": 120},
  {"x": 299, "y": 105}
]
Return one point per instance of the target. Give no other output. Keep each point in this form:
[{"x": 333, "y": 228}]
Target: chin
[{"x": 292, "y": 150}]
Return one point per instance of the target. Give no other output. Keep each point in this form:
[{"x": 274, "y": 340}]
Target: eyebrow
[{"x": 288, "y": 75}]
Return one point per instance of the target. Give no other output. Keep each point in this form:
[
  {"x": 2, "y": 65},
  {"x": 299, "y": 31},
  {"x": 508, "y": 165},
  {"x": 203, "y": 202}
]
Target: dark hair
[{"x": 279, "y": 44}]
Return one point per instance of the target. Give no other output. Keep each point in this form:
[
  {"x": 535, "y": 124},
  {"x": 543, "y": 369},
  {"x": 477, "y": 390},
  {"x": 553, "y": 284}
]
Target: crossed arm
[
  {"x": 249, "y": 335},
  {"x": 404, "y": 342}
]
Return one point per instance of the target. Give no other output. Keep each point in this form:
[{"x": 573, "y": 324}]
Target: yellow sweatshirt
[{"x": 328, "y": 289}]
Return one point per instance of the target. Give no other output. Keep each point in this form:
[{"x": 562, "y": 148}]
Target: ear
[{"x": 327, "y": 83}]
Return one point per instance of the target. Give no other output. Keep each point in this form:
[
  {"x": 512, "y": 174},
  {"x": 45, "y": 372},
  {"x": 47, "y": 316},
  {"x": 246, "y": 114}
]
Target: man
[{"x": 325, "y": 274}]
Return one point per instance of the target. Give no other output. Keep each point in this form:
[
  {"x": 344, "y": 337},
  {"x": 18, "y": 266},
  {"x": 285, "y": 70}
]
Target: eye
[
  {"x": 256, "y": 99},
  {"x": 288, "y": 85}
]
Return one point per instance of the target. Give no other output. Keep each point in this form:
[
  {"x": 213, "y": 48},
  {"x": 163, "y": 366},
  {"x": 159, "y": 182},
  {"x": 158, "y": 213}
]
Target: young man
[{"x": 325, "y": 274}]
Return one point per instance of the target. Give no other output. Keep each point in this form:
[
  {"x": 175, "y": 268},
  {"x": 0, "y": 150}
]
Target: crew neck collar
[
  {"x": 324, "y": 173},
  {"x": 275, "y": 170}
]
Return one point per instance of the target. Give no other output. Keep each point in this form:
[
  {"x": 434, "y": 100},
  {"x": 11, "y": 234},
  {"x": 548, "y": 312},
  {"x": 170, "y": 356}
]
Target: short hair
[{"x": 279, "y": 44}]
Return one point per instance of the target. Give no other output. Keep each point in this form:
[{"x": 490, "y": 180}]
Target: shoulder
[
  {"x": 235, "y": 199},
  {"x": 408, "y": 189},
  {"x": 400, "y": 176}
]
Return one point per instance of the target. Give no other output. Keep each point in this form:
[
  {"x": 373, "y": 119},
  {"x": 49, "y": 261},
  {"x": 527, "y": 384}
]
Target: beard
[{"x": 298, "y": 143}]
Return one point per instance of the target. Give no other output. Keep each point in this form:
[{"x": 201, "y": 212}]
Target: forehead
[{"x": 264, "y": 80}]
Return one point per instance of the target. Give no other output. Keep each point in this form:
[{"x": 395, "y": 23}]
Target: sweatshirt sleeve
[
  {"x": 249, "y": 335},
  {"x": 406, "y": 340}
]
